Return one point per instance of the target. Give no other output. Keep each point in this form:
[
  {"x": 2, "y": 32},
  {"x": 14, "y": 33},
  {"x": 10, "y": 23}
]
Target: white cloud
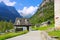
[
  {"x": 8, "y": 2},
  {"x": 28, "y": 11}
]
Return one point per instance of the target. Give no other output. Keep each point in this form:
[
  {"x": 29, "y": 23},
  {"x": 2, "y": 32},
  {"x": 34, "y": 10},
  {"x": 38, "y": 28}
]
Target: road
[{"x": 32, "y": 35}]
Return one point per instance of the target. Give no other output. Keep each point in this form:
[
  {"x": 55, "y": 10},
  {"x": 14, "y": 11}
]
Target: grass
[
  {"x": 54, "y": 33},
  {"x": 44, "y": 27},
  {"x": 10, "y": 35}
]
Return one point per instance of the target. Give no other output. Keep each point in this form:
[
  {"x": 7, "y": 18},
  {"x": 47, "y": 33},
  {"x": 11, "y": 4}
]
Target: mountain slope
[
  {"x": 45, "y": 12},
  {"x": 8, "y": 13}
]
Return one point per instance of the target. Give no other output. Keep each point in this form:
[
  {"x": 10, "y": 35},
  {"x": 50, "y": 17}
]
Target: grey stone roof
[{"x": 22, "y": 21}]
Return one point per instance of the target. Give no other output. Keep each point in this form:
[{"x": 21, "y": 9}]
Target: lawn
[{"x": 10, "y": 35}]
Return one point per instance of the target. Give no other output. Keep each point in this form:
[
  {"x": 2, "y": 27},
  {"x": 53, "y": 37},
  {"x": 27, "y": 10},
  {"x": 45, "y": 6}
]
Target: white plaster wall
[
  {"x": 30, "y": 29},
  {"x": 24, "y": 28},
  {"x": 57, "y": 12}
]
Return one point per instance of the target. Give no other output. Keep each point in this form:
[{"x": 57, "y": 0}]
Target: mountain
[
  {"x": 8, "y": 13},
  {"x": 44, "y": 13}
]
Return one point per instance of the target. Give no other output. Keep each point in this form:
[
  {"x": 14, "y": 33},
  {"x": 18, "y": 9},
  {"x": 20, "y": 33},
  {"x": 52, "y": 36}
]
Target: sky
[{"x": 24, "y": 7}]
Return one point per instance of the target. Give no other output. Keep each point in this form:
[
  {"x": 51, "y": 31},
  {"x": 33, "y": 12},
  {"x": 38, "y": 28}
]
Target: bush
[{"x": 5, "y": 26}]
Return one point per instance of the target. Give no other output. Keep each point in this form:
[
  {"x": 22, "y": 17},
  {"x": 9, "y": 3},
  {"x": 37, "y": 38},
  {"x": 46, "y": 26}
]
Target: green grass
[
  {"x": 44, "y": 27},
  {"x": 54, "y": 33},
  {"x": 10, "y": 35}
]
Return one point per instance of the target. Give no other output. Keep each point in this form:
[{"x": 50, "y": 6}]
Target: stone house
[{"x": 22, "y": 24}]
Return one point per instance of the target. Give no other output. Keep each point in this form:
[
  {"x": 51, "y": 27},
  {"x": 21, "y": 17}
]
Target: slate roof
[{"x": 22, "y": 22}]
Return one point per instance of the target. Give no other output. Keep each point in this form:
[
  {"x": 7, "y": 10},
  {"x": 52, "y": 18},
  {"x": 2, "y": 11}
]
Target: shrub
[{"x": 5, "y": 26}]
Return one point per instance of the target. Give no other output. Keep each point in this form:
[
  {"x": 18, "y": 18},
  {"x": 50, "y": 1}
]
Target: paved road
[{"x": 33, "y": 35}]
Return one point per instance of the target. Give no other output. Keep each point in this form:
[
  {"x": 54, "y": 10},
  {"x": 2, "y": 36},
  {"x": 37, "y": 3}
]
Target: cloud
[
  {"x": 28, "y": 11},
  {"x": 8, "y": 2}
]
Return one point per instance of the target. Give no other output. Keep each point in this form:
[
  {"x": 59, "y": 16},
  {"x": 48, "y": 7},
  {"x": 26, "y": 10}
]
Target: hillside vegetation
[
  {"x": 5, "y": 26},
  {"x": 43, "y": 13}
]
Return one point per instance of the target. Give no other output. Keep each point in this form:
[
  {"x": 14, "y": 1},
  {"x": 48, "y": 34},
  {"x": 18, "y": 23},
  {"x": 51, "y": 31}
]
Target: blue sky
[
  {"x": 20, "y": 4},
  {"x": 24, "y": 7}
]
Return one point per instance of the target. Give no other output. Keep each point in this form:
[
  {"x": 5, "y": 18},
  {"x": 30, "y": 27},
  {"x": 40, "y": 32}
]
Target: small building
[{"x": 22, "y": 24}]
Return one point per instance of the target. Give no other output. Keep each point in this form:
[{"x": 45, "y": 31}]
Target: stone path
[{"x": 32, "y": 35}]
